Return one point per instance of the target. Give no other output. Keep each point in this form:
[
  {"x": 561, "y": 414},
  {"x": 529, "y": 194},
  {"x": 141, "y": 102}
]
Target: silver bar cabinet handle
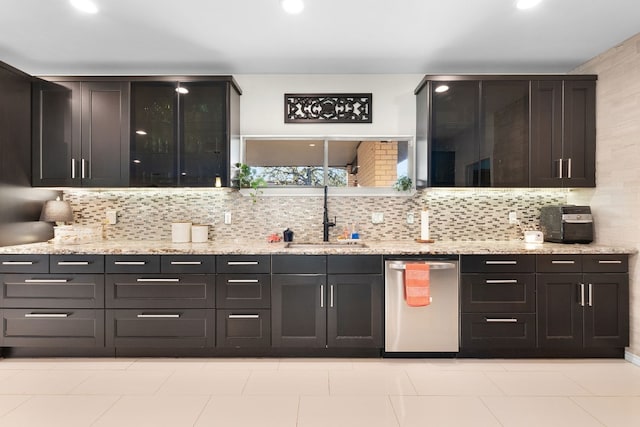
[
  {"x": 321, "y": 296},
  {"x": 83, "y": 168},
  {"x": 46, "y": 315},
  {"x": 186, "y": 262},
  {"x": 560, "y": 169},
  {"x": 569, "y": 168},
  {"x": 556, "y": 261},
  {"x": 244, "y": 316},
  {"x": 582, "y": 294},
  {"x": 590, "y": 300},
  {"x": 501, "y": 262},
  {"x": 603, "y": 261},
  {"x": 158, "y": 280},
  {"x": 488, "y": 320},
  {"x": 242, "y": 281},
  {"x": 73, "y": 262},
  {"x": 501, "y": 281},
  {"x": 73, "y": 168},
  {"x": 158, "y": 316},
  {"x": 17, "y": 262},
  {"x": 130, "y": 262},
  {"x": 242, "y": 262},
  {"x": 46, "y": 281},
  {"x": 331, "y": 295}
]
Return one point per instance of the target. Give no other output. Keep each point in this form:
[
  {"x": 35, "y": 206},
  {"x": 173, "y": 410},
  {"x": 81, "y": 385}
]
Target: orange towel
[{"x": 416, "y": 285}]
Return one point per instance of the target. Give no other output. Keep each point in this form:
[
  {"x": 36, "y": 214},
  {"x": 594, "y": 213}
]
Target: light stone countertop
[{"x": 396, "y": 247}]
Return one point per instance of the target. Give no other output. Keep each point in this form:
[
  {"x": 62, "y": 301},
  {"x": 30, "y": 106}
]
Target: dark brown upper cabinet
[
  {"x": 182, "y": 138},
  {"x": 505, "y": 131},
  {"x": 80, "y": 133}
]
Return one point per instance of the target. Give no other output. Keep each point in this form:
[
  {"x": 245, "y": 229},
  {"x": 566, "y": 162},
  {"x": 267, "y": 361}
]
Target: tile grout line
[
  {"x": 195, "y": 422},
  {"x": 106, "y": 410}
]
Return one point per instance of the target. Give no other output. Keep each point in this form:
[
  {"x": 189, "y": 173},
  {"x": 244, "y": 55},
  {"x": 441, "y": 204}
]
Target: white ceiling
[{"x": 330, "y": 36}]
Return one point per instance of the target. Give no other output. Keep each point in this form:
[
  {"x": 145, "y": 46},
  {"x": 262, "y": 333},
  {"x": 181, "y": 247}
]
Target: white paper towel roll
[
  {"x": 180, "y": 232},
  {"x": 424, "y": 225}
]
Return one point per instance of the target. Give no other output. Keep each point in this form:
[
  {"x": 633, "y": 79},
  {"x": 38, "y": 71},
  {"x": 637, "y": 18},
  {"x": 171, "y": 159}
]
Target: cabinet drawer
[
  {"x": 24, "y": 263},
  {"x": 559, "y": 263},
  {"x": 52, "y": 290},
  {"x": 188, "y": 264},
  {"x": 243, "y": 328},
  {"x": 243, "y": 264},
  {"x": 132, "y": 264},
  {"x": 610, "y": 263},
  {"x": 160, "y": 328},
  {"x": 160, "y": 291},
  {"x": 498, "y": 263},
  {"x": 498, "y": 293},
  {"x": 52, "y": 328},
  {"x": 498, "y": 331},
  {"x": 299, "y": 264},
  {"x": 76, "y": 263},
  {"x": 354, "y": 264},
  {"x": 243, "y": 291}
]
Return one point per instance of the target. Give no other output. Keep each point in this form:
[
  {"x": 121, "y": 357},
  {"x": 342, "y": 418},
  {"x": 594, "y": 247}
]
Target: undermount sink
[{"x": 324, "y": 245}]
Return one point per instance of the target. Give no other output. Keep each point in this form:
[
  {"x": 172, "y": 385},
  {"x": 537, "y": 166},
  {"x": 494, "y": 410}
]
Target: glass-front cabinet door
[
  {"x": 454, "y": 152},
  {"x": 178, "y": 138}
]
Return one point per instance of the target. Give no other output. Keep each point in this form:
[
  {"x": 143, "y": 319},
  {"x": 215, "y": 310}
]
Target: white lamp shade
[{"x": 56, "y": 211}]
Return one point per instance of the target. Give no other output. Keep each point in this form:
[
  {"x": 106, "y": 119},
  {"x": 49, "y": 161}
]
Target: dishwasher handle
[{"x": 435, "y": 265}]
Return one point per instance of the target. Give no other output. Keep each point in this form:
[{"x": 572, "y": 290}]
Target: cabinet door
[
  {"x": 559, "y": 298},
  {"x": 455, "y": 160},
  {"x": 56, "y": 133},
  {"x": 105, "y": 134},
  {"x": 203, "y": 134},
  {"x": 354, "y": 316},
  {"x": 546, "y": 134},
  {"x": 298, "y": 310},
  {"x": 504, "y": 142},
  {"x": 579, "y": 145},
  {"x": 153, "y": 141},
  {"x": 606, "y": 313}
]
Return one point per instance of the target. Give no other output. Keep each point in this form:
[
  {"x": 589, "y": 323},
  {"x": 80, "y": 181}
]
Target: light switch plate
[
  {"x": 377, "y": 218},
  {"x": 227, "y": 218},
  {"x": 410, "y": 218},
  {"x": 112, "y": 216}
]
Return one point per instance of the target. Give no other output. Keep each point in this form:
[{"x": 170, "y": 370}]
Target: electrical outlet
[
  {"x": 227, "y": 218},
  {"x": 377, "y": 218},
  {"x": 112, "y": 216},
  {"x": 410, "y": 218},
  {"x": 513, "y": 217}
]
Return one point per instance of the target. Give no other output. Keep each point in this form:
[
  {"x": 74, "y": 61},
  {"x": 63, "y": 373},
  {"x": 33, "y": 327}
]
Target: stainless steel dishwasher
[{"x": 432, "y": 328}]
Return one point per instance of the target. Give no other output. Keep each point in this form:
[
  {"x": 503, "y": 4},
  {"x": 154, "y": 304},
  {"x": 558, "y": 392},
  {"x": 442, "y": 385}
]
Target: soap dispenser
[{"x": 287, "y": 235}]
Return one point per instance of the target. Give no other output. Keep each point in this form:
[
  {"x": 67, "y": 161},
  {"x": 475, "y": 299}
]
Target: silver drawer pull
[
  {"x": 432, "y": 265},
  {"x": 17, "y": 263},
  {"x": 158, "y": 280},
  {"x": 244, "y": 316},
  {"x": 602, "y": 261},
  {"x": 46, "y": 281},
  {"x": 242, "y": 263},
  {"x": 501, "y": 320},
  {"x": 73, "y": 262},
  {"x": 243, "y": 281},
  {"x": 501, "y": 262},
  {"x": 500, "y": 282},
  {"x": 46, "y": 315},
  {"x": 556, "y": 261},
  {"x": 130, "y": 262},
  {"x": 186, "y": 262},
  {"x": 158, "y": 316}
]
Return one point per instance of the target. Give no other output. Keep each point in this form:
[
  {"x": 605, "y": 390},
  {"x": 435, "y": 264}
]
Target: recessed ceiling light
[
  {"x": 141, "y": 132},
  {"x": 312, "y": 145},
  {"x": 527, "y": 4},
  {"x": 182, "y": 90},
  {"x": 292, "y": 6},
  {"x": 86, "y": 6},
  {"x": 441, "y": 88}
]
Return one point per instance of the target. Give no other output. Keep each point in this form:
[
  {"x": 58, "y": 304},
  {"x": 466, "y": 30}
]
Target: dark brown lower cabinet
[
  {"x": 498, "y": 331},
  {"x": 354, "y": 315},
  {"x": 243, "y": 328},
  {"x": 160, "y": 328},
  {"x": 48, "y": 327},
  {"x": 583, "y": 310},
  {"x": 298, "y": 307}
]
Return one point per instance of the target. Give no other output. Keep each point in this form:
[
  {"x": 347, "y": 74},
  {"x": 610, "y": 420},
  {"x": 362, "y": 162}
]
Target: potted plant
[
  {"x": 403, "y": 183},
  {"x": 244, "y": 178}
]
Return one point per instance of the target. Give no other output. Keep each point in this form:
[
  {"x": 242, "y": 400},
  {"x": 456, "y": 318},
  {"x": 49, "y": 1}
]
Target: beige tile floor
[{"x": 318, "y": 392}]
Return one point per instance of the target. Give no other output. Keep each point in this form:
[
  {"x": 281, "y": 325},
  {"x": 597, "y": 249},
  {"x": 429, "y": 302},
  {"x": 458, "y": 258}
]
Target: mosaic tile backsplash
[{"x": 455, "y": 214}]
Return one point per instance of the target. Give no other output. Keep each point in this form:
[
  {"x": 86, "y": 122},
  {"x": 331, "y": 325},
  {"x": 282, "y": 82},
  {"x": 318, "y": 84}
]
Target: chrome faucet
[{"x": 325, "y": 221}]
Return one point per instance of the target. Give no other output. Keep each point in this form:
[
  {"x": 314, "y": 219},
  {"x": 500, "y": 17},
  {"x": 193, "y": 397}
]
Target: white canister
[
  {"x": 199, "y": 233},
  {"x": 180, "y": 232}
]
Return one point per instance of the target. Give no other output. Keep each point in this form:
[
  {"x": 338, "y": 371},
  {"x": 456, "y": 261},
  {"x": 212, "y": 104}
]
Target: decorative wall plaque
[{"x": 327, "y": 108}]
